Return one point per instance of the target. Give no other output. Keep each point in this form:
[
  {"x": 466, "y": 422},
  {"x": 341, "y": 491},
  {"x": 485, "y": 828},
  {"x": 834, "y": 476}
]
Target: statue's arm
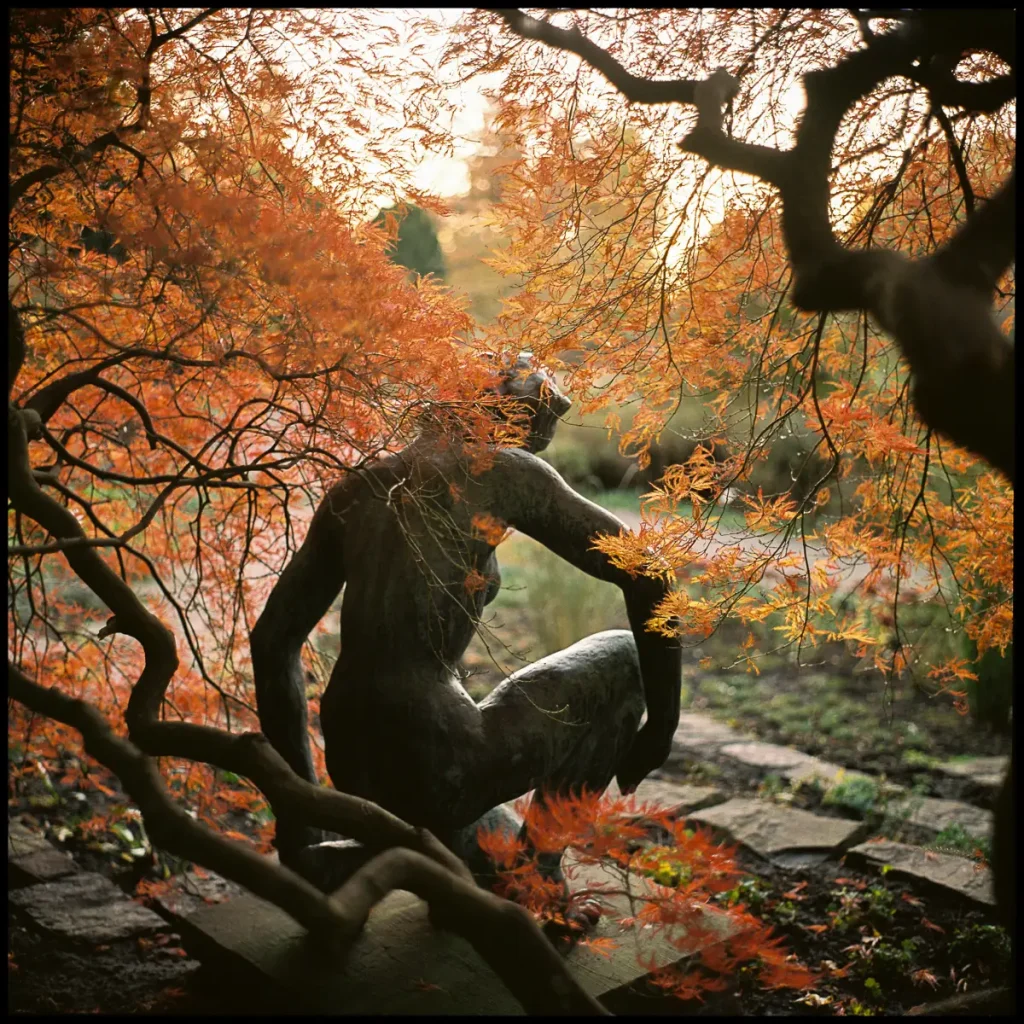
[
  {"x": 531, "y": 496},
  {"x": 305, "y": 590}
]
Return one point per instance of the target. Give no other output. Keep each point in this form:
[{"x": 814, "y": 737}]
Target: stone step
[
  {"x": 956, "y": 874},
  {"x": 679, "y": 798},
  {"x": 85, "y": 907},
  {"x": 31, "y": 858},
  {"x": 769, "y": 757},
  {"x": 401, "y": 964},
  {"x": 985, "y": 772},
  {"x": 933, "y": 815},
  {"x": 771, "y": 830},
  {"x": 191, "y": 892},
  {"x": 700, "y": 734}
]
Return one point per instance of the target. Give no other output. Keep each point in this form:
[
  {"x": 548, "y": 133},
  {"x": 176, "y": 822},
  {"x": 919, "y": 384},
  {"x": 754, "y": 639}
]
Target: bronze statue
[{"x": 398, "y": 726}]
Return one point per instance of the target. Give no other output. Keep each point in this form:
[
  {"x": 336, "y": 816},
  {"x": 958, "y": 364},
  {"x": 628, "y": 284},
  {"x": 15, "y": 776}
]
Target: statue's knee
[{"x": 614, "y": 653}]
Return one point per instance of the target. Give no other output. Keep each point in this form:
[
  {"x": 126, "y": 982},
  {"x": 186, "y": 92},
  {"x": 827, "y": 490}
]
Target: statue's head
[{"x": 536, "y": 389}]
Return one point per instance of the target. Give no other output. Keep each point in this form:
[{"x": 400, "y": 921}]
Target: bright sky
[{"x": 449, "y": 176}]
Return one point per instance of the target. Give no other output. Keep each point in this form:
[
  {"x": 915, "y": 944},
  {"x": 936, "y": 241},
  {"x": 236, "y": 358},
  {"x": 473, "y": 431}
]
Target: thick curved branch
[
  {"x": 15, "y": 346},
  {"x": 984, "y": 248},
  {"x": 937, "y": 309},
  {"x": 169, "y": 826},
  {"x": 635, "y": 89},
  {"x": 504, "y": 934},
  {"x": 48, "y": 171},
  {"x": 971, "y": 97}
]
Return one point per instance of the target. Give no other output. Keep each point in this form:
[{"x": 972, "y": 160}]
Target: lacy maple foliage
[
  {"x": 657, "y": 280},
  {"x": 667, "y": 890},
  {"x": 213, "y": 331},
  {"x": 213, "y": 334}
]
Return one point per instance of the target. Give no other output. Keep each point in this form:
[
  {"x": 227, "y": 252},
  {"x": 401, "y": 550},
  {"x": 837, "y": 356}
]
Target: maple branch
[
  {"x": 247, "y": 754},
  {"x": 48, "y": 171},
  {"x": 504, "y": 934},
  {"x": 165, "y": 37},
  {"x": 15, "y": 346},
  {"x": 170, "y": 826},
  {"x": 956, "y": 153},
  {"x": 972, "y": 97},
  {"x": 635, "y": 89},
  {"x": 937, "y": 309}
]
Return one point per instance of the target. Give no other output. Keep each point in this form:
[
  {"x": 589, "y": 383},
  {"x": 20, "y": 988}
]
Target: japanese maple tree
[
  {"x": 204, "y": 329},
  {"x": 687, "y": 178}
]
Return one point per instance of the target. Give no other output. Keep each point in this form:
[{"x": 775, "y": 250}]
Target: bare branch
[
  {"x": 985, "y": 247},
  {"x": 165, "y": 37},
  {"x": 504, "y": 934},
  {"x": 635, "y": 89},
  {"x": 48, "y": 171}
]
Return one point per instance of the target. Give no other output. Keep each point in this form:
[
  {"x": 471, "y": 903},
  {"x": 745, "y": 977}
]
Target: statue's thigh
[{"x": 542, "y": 713}]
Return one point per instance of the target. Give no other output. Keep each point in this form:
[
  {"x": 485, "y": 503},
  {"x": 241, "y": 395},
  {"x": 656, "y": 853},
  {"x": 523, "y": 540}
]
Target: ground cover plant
[{"x": 205, "y": 330}]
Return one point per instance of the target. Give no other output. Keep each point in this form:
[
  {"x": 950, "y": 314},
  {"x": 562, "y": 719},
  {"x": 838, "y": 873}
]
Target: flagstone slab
[
  {"x": 192, "y": 891},
  {"x": 934, "y": 814},
  {"x": 770, "y": 829},
  {"x": 679, "y": 798},
  {"x": 766, "y": 756},
  {"x": 85, "y": 907},
  {"x": 698, "y": 733},
  {"x": 955, "y": 873},
  {"x": 401, "y": 964},
  {"x": 22, "y": 841},
  {"x": 32, "y": 858},
  {"x": 985, "y": 772},
  {"x": 814, "y": 769}
]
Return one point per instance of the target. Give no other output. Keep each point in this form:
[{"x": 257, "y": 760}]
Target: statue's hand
[{"x": 649, "y": 752}]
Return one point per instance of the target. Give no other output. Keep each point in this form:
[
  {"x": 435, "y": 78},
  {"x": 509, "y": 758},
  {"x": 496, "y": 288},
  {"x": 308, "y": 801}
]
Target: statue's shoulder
[
  {"x": 369, "y": 480},
  {"x": 519, "y": 460},
  {"x": 516, "y": 467}
]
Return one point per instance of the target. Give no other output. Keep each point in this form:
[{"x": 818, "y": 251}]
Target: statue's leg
[
  {"x": 568, "y": 719},
  {"x": 556, "y": 726}
]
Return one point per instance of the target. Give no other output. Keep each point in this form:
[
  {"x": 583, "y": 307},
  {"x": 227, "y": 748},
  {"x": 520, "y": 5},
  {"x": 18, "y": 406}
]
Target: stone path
[
  {"x": 82, "y": 916},
  {"x": 402, "y": 965}
]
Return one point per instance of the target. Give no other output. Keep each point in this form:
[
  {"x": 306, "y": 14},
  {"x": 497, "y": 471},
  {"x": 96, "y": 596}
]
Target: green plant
[
  {"x": 857, "y": 793},
  {"x": 772, "y": 787},
  {"x": 753, "y": 892},
  {"x": 858, "y": 1009},
  {"x": 879, "y": 904},
  {"x": 873, "y": 989},
  {"x": 980, "y": 944},
  {"x": 918, "y": 759},
  {"x": 955, "y": 839},
  {"x": 851, "y": 907},
  {"x": 884, "y": 962},
  {"x": 784, "y": 912}
]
